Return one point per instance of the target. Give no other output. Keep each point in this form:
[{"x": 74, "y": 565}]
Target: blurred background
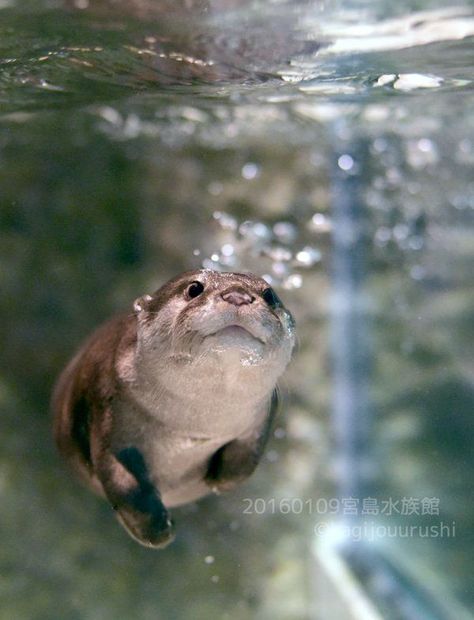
[{"x": 326, "y": 145}]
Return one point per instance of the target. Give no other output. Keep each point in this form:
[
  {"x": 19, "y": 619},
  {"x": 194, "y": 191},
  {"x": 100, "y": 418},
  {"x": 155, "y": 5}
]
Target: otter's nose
[{"x": 237, "y": 297}]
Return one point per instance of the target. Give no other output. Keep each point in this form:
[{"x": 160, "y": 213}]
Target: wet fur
[{"x": 155, "y": 411}]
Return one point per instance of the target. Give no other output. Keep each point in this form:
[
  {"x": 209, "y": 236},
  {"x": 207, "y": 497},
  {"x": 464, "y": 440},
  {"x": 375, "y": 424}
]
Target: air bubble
[
  {"x": 280, "y": 269},
  {"x": 345, "y": 162},
  {"x": 293, "y": 282},
  {"x": 382, "y": 236},
  {"x": 255, "y": 231},
  {"x": 421, "y": 153},
  {"x": 225, "y": 221},
  {"x": 320, "y": 223},
  {"x": 111, "y": 115},
  {"x": 250, "y": 171},
  {"x": 285, "y": 231},
  {"x": 207, "y": 263},
  {"x": 401, "y": 232},
  {"x": 280, "y": 254},
  {"x": 415, "y": 243},
  {"x": 425, "y": 145},
  {"x": 380, "y": 145},
  {"x": 227, "y": 249},
  {"x": 308, "y": 256}
]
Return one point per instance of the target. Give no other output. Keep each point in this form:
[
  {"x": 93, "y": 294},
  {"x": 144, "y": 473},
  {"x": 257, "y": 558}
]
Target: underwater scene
[{"x": 326, "y": 146}]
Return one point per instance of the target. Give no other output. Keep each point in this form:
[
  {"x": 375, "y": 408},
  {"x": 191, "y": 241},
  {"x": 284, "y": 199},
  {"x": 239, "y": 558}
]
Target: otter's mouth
[{"x": 236, "y": 331}]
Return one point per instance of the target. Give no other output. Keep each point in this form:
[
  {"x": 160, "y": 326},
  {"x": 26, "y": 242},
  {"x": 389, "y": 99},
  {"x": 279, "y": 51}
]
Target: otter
[{"x": 175, "y": 400}]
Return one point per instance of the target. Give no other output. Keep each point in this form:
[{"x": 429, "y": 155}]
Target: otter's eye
[
  {"x": 271, "y": 298},
  {"x": 195, "y": 289}
]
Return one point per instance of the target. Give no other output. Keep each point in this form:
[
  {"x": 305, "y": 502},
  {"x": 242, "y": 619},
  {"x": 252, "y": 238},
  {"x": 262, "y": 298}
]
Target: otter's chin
[
  {"x": 234, "y": 338},
  {"x": 237, "y": 334}
]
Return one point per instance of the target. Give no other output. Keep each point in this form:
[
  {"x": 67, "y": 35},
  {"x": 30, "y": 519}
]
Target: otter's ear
[{"x": 142, "y": 303}]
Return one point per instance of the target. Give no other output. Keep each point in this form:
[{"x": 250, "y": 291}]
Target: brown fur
[{"x": 96, "y": 384}]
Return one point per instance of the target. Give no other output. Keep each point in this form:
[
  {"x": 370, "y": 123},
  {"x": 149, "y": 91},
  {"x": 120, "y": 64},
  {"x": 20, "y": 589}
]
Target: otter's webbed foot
[{"x": 138, "y": 505}]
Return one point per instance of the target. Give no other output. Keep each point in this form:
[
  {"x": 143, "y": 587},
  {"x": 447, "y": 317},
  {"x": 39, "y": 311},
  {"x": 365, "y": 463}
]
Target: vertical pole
[{"x": 349, "y": 329}]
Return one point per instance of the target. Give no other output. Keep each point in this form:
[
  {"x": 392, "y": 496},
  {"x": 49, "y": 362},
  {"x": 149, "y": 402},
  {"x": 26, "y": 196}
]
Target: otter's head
[{"x": 211, "y": 318}]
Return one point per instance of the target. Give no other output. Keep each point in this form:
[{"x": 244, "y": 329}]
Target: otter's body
[{"x": 175, "y": 400}]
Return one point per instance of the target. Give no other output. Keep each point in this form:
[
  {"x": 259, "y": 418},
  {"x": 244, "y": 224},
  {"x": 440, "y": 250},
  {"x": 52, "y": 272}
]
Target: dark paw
[
  {"x": 132, "y": 459},
  {"x": 157, "y": 538},
  {"x": 147, "y": 529},
  {"x": 146, "y": 518}
]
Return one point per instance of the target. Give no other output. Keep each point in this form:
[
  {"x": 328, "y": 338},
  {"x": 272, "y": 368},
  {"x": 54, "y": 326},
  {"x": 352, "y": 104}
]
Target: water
[{"x": 139, "y": 139}]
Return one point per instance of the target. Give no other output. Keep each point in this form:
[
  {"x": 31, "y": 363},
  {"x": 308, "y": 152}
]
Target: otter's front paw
[
  {"x": 157, "y": 537},
  {"x": 151, "y": 529}
]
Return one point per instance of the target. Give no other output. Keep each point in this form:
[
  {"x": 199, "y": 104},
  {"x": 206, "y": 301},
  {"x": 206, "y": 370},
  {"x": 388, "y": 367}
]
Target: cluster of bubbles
[
  {"x": 209, "y": 560},
  {"x": 257, "y": 246},
  {"x": 403, "y": 199},
  {"x": 401, "y": 190}
]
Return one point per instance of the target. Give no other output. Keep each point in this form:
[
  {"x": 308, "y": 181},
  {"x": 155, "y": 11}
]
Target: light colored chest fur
[{"x": 179, "y": 418}]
